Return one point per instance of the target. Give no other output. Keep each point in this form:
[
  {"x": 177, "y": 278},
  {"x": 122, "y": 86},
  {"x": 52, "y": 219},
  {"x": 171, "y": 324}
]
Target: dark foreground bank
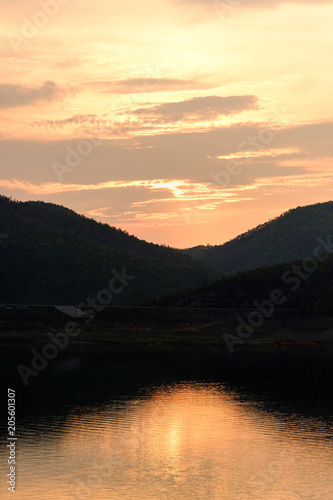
[{"x": 232, "y": 328}]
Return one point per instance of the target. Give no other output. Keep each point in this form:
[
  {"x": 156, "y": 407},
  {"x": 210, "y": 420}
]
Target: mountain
[
  {"x": 52, "y": 255},
  {"x": 305, "y": 286},
  {"x": 289, "y": 237}
]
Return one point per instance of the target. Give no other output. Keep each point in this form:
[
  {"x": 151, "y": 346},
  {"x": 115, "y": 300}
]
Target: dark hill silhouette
[
  {"x": 309, "y": 293},
  {"x": 52, "y": 255},
  {"x": 287, "y": 238}
]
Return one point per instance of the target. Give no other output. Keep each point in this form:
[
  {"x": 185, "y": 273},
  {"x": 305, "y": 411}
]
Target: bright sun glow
[{"x": 143, "y": 118}]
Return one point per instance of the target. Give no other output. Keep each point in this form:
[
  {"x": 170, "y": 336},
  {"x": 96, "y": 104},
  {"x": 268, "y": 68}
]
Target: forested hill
[
  {"x": 306, "y": 286},
  {"x": 287, "y": 238},
  {"x": 51, "y": 255}
]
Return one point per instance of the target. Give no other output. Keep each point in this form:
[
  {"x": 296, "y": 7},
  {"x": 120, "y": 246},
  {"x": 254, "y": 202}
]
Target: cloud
[
  {"x": 176, "y": 186},
  {"x": 147, "y": 85},
  {"x": 263, "y": 153},
  {"x": 232, "y": 5},
  {"x": 12, "y": 96},
  {"x": 145, "y": 120},
  {"x": 174, "y": 189},
  {"x": 192, "y": 154},
  {"x": 78, "y": 119},
  {"x": 200, "y": 108}
]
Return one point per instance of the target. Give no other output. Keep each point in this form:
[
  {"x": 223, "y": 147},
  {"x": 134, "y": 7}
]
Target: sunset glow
[{"x": 182, "y": 121}]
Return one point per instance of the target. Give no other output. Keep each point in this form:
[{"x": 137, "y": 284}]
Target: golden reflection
[{"x": 189, "y": 441}]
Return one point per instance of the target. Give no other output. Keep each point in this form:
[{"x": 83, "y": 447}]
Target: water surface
[{"x": 158, "y": 423}]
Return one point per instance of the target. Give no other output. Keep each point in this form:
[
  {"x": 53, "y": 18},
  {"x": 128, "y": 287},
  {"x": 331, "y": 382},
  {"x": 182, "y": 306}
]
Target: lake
[{"x": 133, "y": 423}]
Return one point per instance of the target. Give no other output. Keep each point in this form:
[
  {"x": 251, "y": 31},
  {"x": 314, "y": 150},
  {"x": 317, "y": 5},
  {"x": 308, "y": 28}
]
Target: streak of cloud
[
  {"x": 263, "y": 4},
  {"x": 200, "y": 108},
  {"x": 12, "y": 96},
  {"x": 147, "y": 85}
]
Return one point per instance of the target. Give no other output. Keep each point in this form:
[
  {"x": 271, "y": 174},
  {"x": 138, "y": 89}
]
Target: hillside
[
  {"x": 287, "y": 238},
  {"x": 51, "y": 255},
  {"x": 306, "y": 287}
]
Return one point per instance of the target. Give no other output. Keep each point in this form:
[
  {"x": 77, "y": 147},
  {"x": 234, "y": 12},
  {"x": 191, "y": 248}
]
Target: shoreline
[
  {"x": 274, "y": 335},
  {"x": 26, "y": 325}
]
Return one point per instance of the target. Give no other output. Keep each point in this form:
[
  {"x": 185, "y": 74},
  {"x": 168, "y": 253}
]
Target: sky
[{"x": 183, "y": 122}]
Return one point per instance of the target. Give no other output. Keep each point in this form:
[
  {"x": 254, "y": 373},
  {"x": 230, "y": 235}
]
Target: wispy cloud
[
  {"x": 190, "y": 114},
  {"x": 132, "y": 217},
  {"x": 77, "y": 119},
  {"x": 199, "y": 108},
  {"x": 184, "y": 190},
  {"x": 273, "y": 153},
  {"x": 12, "y": 96},
  {"x": 178, "y": 189},
  {"x": 57, "y": 187},
  {"x": 147, "y": 85},
  {"x": 264, "y": 4}
]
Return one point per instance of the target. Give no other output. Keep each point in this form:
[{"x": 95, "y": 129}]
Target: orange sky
[{"x": 184, "y": 122}]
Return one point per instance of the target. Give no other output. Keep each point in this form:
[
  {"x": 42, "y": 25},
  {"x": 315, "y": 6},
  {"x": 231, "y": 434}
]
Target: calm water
[{"x": 159, "y": 423}]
